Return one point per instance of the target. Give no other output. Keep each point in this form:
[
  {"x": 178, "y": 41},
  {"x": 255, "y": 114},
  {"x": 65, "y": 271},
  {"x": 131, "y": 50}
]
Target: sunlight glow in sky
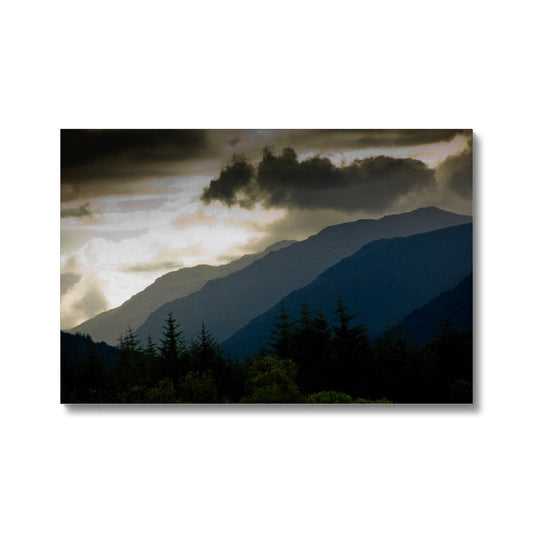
[
  {"x": 115, "y": 244},
  {"x": 170, "y": 232}
]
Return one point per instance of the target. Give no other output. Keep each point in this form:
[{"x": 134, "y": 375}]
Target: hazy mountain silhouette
[
  {"x": 228, "y": 304},
  {"x": 382, "y": 283},
  {"x": 454, "y": 306},
  {"x": 109, "y": 325}
]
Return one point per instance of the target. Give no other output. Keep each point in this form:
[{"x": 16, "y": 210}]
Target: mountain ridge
[
  {"x": 109, "y": 325},
  {"x": 453, "y": 307},
  {"x": 382, "y": 283},
  {"x": 227, "y": 304}
]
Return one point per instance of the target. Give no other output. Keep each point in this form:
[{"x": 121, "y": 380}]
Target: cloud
[
  {"x": 77, "y": 212},
  {"x": 68, "y": 280},
  {"x": 357, "y": 139},
  {"x": 98, "y": 163},
  {"x": 386, "y": 138},
  {"x": 299, "y": 224},
  {"x": 456, "y": 173},
  {"x": 82, "y": 301},
  {"x": 216, "y": 216},
  {"x": 234, "y": 179},
  {"x": 85, "y": 147},
  {"x": 282, "y": 181},
  {"x": 197, "y": 217},
  {"x": 95, "y": 162},
  {"x": 70, "y": 264},
  {"x": 156, "y": 266},
  {"x": 246, "y": 141}
]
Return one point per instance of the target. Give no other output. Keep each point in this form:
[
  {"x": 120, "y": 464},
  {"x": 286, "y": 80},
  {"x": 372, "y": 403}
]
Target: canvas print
[{"x": 266, "y": 266}]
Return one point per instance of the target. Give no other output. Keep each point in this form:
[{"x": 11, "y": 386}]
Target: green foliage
[
  {"x": 329, "y": 396},
  {"x": 363, "y": 400},
  {"x": 163, "y": 392},
  {"x": 272, "y": 380},
  {"x": 133, "y": 394},
  {"x": 198, "y": 387}
]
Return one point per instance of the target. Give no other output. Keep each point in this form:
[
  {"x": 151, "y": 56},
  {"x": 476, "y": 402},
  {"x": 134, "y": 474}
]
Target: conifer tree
[
  {"x": 305, "y": 314},
  {"x": 151, "y": 361},
  {"x": 281, "y": 333},
  {"x": 128, "y": 370},
  {"x": 311, "y": 349},
  {"x": 94, "y": 368},
  {"x": 451, "y": 360},
  {"x": 396, "y": 359},
  {"x": 150, "y": 347},
  {"x": 352, "y": 353},
  {"x": 207, "y": 357},
  {"x": 205, "y": 350},
  {"x": 343, "y": 319},
  {"x": 172, "y": 349}
]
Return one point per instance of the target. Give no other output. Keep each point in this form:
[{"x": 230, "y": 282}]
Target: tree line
[{"x": 307, "y": 360}]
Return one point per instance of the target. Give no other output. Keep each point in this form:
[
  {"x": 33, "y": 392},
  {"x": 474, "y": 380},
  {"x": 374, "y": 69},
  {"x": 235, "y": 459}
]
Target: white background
[{"x": 274, "y": 64}]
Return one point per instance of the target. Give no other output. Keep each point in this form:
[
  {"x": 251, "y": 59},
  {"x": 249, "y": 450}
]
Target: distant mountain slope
[
  {"x": 382, "y": 283},
  {"x": 76, "y": 348},
  {"x": 455, "y": 306},
  {"x": 228, "y": 304},
  {"x": 109, "y": 325}
]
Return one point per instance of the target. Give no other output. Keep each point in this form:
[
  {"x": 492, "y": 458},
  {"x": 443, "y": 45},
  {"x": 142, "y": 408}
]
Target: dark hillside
[
  {"x": 227, "y": 304},
  {"x": 382, "y": 283}
]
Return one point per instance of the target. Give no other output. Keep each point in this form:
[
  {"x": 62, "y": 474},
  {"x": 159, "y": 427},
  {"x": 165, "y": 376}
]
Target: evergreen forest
[{"x": 307, "y": 360}]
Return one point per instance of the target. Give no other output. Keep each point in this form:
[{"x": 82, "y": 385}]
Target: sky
[{"x": 136, "y": 204}]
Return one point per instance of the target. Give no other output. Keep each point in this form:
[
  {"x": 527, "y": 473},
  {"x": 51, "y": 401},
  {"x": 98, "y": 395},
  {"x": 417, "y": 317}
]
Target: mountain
[
  {"x": 76, "y": 348},
  {"x": 382, "y": 283},
  {"x": 227, "y": 304},
  {"x": 85, "y": 366},
  {"x": 110, "y": 325},
  {"x": 454, "y": 306}
]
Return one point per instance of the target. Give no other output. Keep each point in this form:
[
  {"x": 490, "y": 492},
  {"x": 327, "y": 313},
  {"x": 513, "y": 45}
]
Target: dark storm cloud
[
  {"x": 96, "y": 163},
  {"x": 84, "y": 147},
  {"x": 283, "y": 181},
  {"x": 456, "y": 173},
  {"x": 99, "y": 162},
  {"x": 234, "y": 179},
  {"x": 77, "y": 212}
]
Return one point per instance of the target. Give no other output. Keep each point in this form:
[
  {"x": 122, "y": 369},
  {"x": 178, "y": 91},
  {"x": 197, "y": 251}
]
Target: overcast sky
[{"x": 136, "y": 204}]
